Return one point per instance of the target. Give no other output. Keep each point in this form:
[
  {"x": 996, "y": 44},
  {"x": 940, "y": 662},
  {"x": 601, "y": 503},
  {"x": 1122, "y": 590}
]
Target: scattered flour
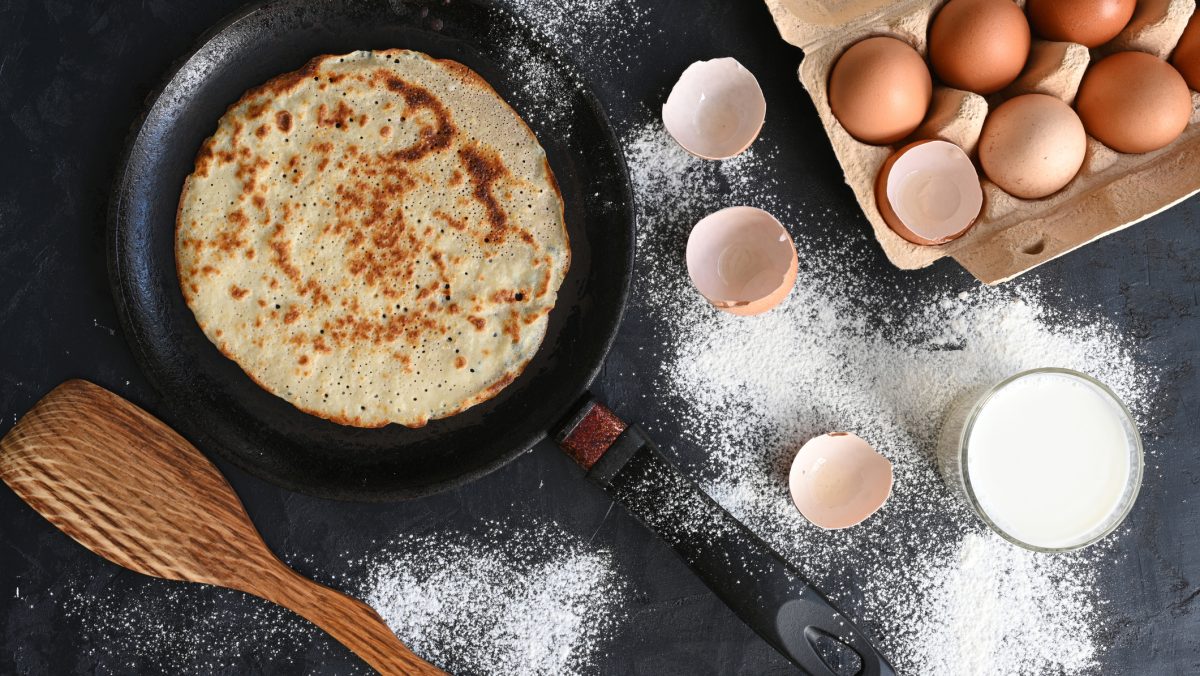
[
  {"x": 509, "y": 599},
  {"x": 180, "y": 628},
  {"x": 599, "y": 33},
  {"x": 941, "y": 594},
  {"x": 530, "y": 604}
]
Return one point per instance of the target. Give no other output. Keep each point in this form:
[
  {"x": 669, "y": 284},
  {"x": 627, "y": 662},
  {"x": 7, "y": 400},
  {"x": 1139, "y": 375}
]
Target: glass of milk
[{"x": 1051, "y": 459}]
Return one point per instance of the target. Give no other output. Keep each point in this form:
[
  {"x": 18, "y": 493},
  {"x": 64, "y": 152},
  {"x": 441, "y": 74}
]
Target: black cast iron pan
[{"x": 221, "y": 409}]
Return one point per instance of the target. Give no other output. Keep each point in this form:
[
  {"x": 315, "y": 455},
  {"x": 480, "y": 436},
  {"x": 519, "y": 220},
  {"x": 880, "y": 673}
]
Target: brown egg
[
  {"x": 880, "y": 90},
  {"x": 1089, "y": 22},
  {"x": 1032, "y": 146},
  {"x": 1134, "y": 102},
  {"x": 1187, "y": 54},
  {"x": 979, "y": 45}
]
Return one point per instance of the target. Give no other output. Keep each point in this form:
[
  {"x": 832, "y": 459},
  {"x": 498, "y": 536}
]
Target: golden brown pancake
[{"x": 376, "y": 238}]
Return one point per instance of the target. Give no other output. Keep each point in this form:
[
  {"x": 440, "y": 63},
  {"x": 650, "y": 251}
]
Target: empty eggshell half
[
  {"x": 716, "y": 109},
  {"x": 742, "y": 260},
  {"x": 928, "y": 192},
  {"x": 838, "y": 480}
]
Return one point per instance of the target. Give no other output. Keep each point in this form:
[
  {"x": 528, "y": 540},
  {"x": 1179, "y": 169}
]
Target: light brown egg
[
  {"x": 1186, "y": 58},
  {"x": 1134, "y": 102},
  {"x": 929, "y": 193},
  {"x": 880, "y": 90},
  {"x": 1032, "y": 146},
  {"x": 1089, "y": 22},
  {"x": 979, "y": 45}
]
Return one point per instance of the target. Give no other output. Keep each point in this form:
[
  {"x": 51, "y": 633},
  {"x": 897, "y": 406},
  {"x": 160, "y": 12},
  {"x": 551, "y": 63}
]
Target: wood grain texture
[{"x": 127, "y": 487}]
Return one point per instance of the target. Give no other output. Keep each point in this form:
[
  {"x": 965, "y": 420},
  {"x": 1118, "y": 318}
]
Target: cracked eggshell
[
  {"x": 837, "y": 480},
  {"x": 742, "y": 260},
  {"x": 716, "y": 109},
  {"x": 928, "y": 192}
]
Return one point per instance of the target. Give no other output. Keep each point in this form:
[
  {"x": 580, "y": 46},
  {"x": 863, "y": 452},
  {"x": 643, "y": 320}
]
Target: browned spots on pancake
[
  {"x": 417, "y": 98},
  {"x": 477, "y": 322},
  {"x": 495, "y": 387},
  {"x": 291, "y": 315},
  {"x": 339, "y": 118},
  {"x": 249, "y": 254},
  {"x": 508, "y": 296},
  {"x": 282, "y": 84},
  {"x": 511, "y": 327},
  {"x": 485, "y": 168},
  {"x": 247, "y": 173},
  {"x": 237, "y": 292},
  {"x": 204, "y": 157},
  {"x": 320, "y": 346},
  {"x": 303, "y": 359},
  {"x": 459, "y": 362},
  {"x": 456, "y": 178},
  {"x": 282, "y": 249},
  {"x": 377, "y": 209},
  {"x": 546, "y": 264},
  {"x": 209, "y": 271},
  {"x": 283, "y": 253},
  {"x": 385, "y": 131},
  {"x": 283, "y": 121},
  {"x": 261, "y": 131},
  {"x": 228, "y": 240},
  {"x": 456, "y": 223}
]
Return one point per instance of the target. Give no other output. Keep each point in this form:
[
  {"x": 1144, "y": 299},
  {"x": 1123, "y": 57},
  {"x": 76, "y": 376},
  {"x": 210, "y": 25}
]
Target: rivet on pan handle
[{"x": 765, "y": 591}]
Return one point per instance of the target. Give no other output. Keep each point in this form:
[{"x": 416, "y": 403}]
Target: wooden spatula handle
[{"x": 352, "y": 623}]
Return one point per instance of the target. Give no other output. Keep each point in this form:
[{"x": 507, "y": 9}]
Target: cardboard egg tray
[{"x": 1013, "y": 235}]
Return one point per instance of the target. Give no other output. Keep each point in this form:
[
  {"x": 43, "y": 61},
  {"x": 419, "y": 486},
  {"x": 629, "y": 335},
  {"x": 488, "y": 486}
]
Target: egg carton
[{"x": 1112, "y": 190}]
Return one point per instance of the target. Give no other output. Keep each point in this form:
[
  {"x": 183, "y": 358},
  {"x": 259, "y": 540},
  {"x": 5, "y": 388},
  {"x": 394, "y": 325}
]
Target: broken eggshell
[
  {"x": 742, "y": 260},
  {"x": 838, "y": 480},
  {"x": 716, "y": 109},
  {"x": 928, "y": 192}
]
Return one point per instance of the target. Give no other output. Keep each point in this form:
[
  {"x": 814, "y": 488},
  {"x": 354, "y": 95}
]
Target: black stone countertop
[{"x": 74, "y": 75}]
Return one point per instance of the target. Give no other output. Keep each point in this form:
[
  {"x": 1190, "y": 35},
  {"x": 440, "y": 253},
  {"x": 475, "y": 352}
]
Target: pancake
[{"x": 376, "y": 238}]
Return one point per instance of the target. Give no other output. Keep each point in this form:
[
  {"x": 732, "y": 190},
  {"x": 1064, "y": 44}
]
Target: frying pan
[{"x": 220, "y": 408}]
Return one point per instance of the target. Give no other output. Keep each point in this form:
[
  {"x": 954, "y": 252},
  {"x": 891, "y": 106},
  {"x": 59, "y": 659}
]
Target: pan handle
[{"x": 764, "y": 590}]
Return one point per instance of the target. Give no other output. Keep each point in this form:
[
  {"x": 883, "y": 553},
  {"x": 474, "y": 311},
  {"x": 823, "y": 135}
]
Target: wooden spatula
[{"x": 127, "y": 487}]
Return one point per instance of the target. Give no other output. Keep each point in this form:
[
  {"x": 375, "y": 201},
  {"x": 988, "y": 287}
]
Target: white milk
[{"x": 1050, "y": 458}]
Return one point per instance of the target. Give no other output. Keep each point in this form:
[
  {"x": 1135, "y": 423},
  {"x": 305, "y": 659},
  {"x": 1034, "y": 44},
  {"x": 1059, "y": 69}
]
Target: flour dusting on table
[
  {"x": 942, "y": 594},
  {"x": 507, "y": 599},
  {"x": 516, "y": 602},
  {"x": 597, "y": 36}
]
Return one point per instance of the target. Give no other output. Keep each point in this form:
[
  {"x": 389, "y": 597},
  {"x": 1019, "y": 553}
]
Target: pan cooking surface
[{"x": 215, "y": 403}]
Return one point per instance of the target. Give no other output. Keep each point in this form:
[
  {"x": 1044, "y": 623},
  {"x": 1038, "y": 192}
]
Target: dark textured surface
[{"x": 73, "y": 75}]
